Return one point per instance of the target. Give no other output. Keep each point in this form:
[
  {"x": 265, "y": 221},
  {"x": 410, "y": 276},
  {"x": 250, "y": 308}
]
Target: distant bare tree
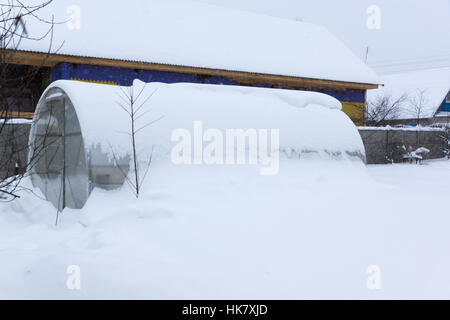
[
  {"x": 418, "y": 105},
  {"x": 383, "y": 108}
]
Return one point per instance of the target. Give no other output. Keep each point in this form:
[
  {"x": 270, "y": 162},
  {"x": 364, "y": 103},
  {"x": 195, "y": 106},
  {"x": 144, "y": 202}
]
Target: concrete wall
[
  {"x": 384, "y": 145},
  {"x": 13, "y": 148}
]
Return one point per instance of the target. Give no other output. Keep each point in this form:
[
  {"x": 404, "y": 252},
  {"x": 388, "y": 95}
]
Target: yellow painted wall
[
  {"x": 355, "y": 110},
  {"x": 96, "y": 81}
]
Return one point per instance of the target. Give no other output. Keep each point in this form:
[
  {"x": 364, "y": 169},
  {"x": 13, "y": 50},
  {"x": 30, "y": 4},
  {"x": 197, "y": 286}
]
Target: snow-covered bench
[{"x": 416, "y": 155}]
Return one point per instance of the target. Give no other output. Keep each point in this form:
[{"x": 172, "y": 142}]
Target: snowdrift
[{"x": 87, "y": 130}]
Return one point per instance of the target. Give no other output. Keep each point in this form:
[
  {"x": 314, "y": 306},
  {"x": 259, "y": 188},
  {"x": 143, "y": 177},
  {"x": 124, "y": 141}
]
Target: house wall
[
  {"x": 352, "y": 100},
  {"x": 125, "y": 76},
  {"x": 21, "y": 89},
  {"x": 13, "y": 148},
  {"x": 445, "y": 106}
]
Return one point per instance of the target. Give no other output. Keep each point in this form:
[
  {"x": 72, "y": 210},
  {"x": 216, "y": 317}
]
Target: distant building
[
  {"x": 444, "y": 108},
  {"x": 191, "y": 42},
  {"x": 427, "y": 95}
]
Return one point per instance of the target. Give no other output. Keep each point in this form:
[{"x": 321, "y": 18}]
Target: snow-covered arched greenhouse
[{"x": 84, "y": 130}]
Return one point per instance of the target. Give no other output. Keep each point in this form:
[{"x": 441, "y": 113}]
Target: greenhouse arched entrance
[{"x": 60, "y": 170}]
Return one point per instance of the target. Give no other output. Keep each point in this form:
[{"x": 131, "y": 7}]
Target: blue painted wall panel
[
  {"x": 125, "y": 76},
  {"x": 445, "y": 107}
]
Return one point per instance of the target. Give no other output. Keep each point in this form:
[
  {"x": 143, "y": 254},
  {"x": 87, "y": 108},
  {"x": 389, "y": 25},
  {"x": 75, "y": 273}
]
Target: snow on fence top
[
  {"x": 389, "y": 128},
  {"x": 15, "y": 121},
  {"x": 193, "y": 34},
  {"x": 308, "y": 121}
]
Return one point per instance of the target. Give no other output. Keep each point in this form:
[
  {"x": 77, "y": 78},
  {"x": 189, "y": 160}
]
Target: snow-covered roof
[
  {"x": 434, "y": 83},
  {"x": 188, "y": 33}
]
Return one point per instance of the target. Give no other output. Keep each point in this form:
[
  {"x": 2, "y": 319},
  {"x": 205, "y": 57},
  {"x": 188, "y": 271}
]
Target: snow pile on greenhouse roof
[
  {"x": 189, "y": 33},
  {"x": 309, "y": 122}
]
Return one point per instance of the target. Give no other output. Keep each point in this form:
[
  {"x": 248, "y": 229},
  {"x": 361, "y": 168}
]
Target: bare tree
[
  {"x": 134, "y": 107},
  {"x": 17, "y": 91},
  {"x": 383, "y": 108},
  {"x": 418, "y": 105}
]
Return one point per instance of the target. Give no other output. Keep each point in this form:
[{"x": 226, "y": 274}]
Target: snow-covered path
[{"x": 306, "y": 233}]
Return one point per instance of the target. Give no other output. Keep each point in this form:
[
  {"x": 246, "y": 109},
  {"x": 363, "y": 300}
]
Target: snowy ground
[{"x": 310, "y": 232}]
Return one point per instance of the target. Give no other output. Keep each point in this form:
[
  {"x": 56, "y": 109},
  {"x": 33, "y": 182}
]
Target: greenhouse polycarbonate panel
[
  {"x": 107, "y": 172},
  {"x": 49, "y": 167},
  {"x": 61, "y": 167},
  {"x": 76, "y": 186}
]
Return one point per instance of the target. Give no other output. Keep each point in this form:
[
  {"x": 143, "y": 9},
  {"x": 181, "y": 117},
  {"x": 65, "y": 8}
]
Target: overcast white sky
[{"x": 414, "y": 34}]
